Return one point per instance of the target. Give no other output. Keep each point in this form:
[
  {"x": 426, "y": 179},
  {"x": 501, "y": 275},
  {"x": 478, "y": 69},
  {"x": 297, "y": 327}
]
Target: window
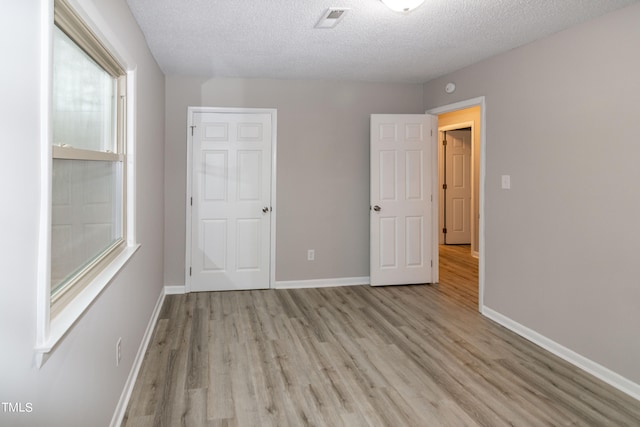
[
  {"x": 88, "y": 172},
  {"x": 87, "y": 157}
]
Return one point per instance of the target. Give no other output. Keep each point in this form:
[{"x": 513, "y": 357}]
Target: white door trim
[
  {"x": 274, "y": 121},
  {"x": 483, "y": 149}
]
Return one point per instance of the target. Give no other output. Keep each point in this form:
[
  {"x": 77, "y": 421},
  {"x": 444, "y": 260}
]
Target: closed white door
[
  {"x": 401, "y": 202},
  {"x": 231, "y": 205},
  {"x": 458, "y": 193}
]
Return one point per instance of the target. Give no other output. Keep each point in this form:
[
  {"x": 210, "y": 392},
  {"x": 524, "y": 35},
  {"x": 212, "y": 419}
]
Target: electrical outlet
[
  {"x": 118, "y": 351},
  {"x": 311, "y": 255}
]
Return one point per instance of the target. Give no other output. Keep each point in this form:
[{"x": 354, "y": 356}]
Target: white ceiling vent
[{"x": 331, "y": 17}]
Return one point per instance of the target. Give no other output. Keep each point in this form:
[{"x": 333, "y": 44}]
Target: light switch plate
[{"x": 506, "y": 182}]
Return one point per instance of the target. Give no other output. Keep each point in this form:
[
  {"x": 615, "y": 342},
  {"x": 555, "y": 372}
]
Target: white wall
[
  {"x": 79, "y": 385},
  {"x": 562, "y": 245},
  {"x": 322, "y": 166}
]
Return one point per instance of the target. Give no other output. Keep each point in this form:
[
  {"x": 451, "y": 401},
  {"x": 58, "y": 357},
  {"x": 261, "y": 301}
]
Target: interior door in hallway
[
  {"x": 458, "y": 193},
  {"x": 231, "y": 201},
  {"x": 401, "y": 218}
]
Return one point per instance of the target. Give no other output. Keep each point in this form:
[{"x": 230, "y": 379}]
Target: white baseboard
[
  {"x": 121, "y": 408},
  {"x": 612, "y": 378},
  {"x": 175, "y": 290},
  {"x": 292, "y": 284},
  {"x": 322, "y": 283}
]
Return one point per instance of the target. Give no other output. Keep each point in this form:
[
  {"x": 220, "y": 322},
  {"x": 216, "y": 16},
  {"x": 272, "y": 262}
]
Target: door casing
[{"x": 274, "y": 120}]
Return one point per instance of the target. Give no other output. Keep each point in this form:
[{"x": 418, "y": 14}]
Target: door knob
[
  {"x": 265, "y": 209},
  {"x": 377, "y": 208}
]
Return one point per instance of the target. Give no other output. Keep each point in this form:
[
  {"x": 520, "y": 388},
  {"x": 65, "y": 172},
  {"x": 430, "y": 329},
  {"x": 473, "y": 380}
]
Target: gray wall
[
  {"x": 79, "y": 385},
  {"x": 562, "y": 245},
  {"x": 322, "y": 166}
]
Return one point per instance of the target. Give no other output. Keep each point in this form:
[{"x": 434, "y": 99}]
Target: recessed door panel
[
  {"x": 249, "y": 175},
  {"x": 214, "y": 241},
  {"x": 250, "y": 132},
  {"x": 248, "y": 244},
  {"x": 414, "y": 175},
  {"x": 388, "y": 243},
  {"x": 459, "y": 173},
  {"x": 458, "y": 205},
  {"x": 216, "y": 132},
  {"x": 415, "y": 241},
  {"x": 413, "y": 132},
  {"x": 215, "y": 175},
  {"x": 387, "y": 132},
  {"x": 388, "y": 175}
]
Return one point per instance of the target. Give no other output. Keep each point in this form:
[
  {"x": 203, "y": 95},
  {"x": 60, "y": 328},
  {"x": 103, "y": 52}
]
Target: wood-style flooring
[{"x": 417, "y": 355}]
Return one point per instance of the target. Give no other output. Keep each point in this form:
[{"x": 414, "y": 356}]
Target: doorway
[
  {"x": 230, "y": 213},
  {"x": 458, "y": 261},
  {"x": 456, "y": 184}
]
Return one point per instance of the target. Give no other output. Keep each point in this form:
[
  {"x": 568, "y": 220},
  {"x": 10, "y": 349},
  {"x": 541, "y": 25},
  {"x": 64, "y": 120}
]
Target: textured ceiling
[{"x": 277, "y": 38}]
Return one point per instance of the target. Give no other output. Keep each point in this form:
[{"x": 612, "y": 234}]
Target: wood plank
[{"x": 359, "y": 356}]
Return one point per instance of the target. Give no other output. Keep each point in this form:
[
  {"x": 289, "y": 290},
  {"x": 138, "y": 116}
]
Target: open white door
[
  {"x": 402, "y": 227},
  {"x": 230, "y": 236}
]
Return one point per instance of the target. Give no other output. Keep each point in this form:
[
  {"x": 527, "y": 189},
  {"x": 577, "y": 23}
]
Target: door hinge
[
  {"x": 431, "y": 132},
  {"x": 192, "y": 127},
  {"x": 444, "y": 230},
  {"x": 191, "y": 201},
  {"x": 444, "y": 186},
  {"x": 189, "y": 271},
  {"x": 444, "y": 142},
  {"x": 431, "y": 263}
]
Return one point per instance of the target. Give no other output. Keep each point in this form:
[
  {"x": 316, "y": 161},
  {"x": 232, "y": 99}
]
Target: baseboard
[
  {"x": 608, "y": 376},
  {"x": 121, "y": 408},
  {"x": 175, "y": 290},
  {"x": 322, "y": 283}
]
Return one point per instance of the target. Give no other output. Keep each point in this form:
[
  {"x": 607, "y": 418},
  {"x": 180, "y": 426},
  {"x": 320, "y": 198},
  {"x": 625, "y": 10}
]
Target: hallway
[{"x": 459, "y": 275}]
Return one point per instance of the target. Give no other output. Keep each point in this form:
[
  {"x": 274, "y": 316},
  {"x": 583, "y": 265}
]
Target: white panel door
[
  {"x": 458, "y": 194},
  {"x": 231, "y": 207},
  {"x": 401, "y": 207}
]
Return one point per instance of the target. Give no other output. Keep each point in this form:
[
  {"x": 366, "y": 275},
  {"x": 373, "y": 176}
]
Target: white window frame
[{"x": 52, "y": 327}]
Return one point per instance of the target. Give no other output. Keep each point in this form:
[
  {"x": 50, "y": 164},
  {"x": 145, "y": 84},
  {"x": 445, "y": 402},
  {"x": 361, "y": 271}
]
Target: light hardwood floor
[
  {"x": 459, "y": 275},
  {"x": 417, "y": 355}
]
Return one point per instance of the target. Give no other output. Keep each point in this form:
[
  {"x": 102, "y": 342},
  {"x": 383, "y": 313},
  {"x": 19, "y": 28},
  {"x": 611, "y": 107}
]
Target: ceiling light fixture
[{"x": 403, "y": 6}]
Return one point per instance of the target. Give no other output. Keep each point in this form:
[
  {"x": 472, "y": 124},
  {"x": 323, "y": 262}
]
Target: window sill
[{"x": 64, "y": 321}]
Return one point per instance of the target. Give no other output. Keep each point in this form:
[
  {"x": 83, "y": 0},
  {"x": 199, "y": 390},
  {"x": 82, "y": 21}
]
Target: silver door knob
[
  {"x": 377, "y": 208},
  {"x": 265, "y": 209}
]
